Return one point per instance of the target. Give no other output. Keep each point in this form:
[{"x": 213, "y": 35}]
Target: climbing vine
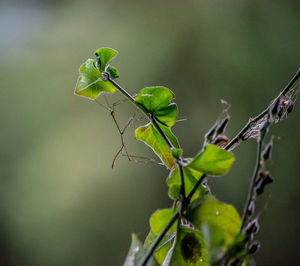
[{"x": 198, "y": 229}]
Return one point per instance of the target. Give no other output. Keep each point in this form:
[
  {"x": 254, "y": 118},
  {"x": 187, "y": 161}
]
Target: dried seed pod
[
  {"x": 236, "y": 262},
  {"x": 221, "y": 141},
  {"x": 211, "y": 133},
  {"x": 274, "y": 110},
  {"x": 253, "y": 247},
  {"x": 264, "y": 179},
  {"x": 266, "y": 154},
  {"x": 251, "y": 208},
  {"x": 222, "y": 125},
  {"x": 290, "y": 108},
  {"x": 252, "y": 227}
]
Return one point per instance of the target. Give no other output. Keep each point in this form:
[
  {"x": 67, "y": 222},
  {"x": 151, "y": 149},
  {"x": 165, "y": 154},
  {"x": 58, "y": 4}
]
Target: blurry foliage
[{"x": 58, "y": 210}]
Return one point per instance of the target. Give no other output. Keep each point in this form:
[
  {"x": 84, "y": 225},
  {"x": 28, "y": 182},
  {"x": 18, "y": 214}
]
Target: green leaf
[
  {"x": 176, "y": 153},
  {"x": 164, "y": 246},
  {"x": 213, "y": 161},
  {"x": 157, "y": 101},
  {"x": 113, "y": 72},
  {"x": 219, "y": 215},
  {"x": 167, "y": 115},
  {"x": 149, "y": 135},
  {"x": 214, "y": 240},
  {"x": 160, "y": 219},
  {"x": 167, "y": 131},
  {"x": 191, "y": 177},
  {"x": 136, "y": 253},
  {"x": 90, "y": 82},
  {"x": 189, "y": 249},
  {"x": 103, "y": 56}
]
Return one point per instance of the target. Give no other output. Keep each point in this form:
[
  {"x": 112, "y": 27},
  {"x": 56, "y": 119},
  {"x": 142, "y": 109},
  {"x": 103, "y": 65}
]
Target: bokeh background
[{"x": 60, "y": 201}]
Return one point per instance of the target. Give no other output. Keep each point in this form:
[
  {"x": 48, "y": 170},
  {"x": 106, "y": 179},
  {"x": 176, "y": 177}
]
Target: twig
[
  {"x": 130, "y": 121},
  {"x": 158, "y": 239},
  {"x": 142, "y": 159},
  {"x": 172, "y": 220},
  {"x": 106, "y": 76},
  {"x": 191, "y": 194},
  {"x": 252, "y": 121},
  {"x": 153, "y": 121},
  {"x": 235, "y": 140}
]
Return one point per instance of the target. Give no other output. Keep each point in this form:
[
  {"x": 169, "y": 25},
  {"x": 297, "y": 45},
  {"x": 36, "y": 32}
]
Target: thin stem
[
  {"x": 182, "y": 192},
  {"x": 253, "y": 179},
  {"x": 121, "y": 89},
  {"x": 153, "y": 121},
  {"x": 158, "y": 239},
  {"x": 191, "y": 194},
  {"x": 239, "y": 136},
  {"x": 178, "y": 214}
]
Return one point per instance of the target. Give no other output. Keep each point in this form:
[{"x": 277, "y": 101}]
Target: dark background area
[{"x": 60, "y": 201}]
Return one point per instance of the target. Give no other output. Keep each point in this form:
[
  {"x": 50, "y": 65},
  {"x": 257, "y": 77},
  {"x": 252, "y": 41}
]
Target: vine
[{"x": 198, "y": 229}]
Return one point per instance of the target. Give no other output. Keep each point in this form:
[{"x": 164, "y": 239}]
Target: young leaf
[
  {"x": 176, "y": 153},
  {"x": 114, "y": 73},
  {"x": 220, "y": 215},
  {"x": 189, "y": 249},
  {"x": 214, "y": 240},
  {"x": 136, "y": 253},
  {"x": 164, "y": 246},
  {"x": 157, "y": 223},
  {"x": 160, "y": 219},
  {"x": 149, "y": 135},
  {"x": 213, "y": 161},
  {"x": 156, "y": 100},
  {"x": 103, "y": 56},
  {"x": 90, "y": 82},
  {"x": 191, "y": 177}
]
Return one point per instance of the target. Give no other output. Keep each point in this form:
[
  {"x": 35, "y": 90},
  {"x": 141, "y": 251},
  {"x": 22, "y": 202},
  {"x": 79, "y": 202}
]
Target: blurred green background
[{"x": 60, "y": 201}]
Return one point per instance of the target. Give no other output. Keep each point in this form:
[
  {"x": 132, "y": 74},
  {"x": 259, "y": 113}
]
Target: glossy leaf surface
[
  {"x": 213, "y": 161},
  {"x": 149, "y": 135},
  {"x": 114, "y": 73},
  {"x": 214, "y": 240},
  {"x": 191, "y": 177},
  {"x": 160, "y": 219},
  {"x": 157, "y": 101},
  {"x": 90, "y": 82},
  {"x": 189, "y": 249},
  {"x": 104, "y": 55},
  {"x": 164, "y": 246},
  {"x": 222, "y": 216}
]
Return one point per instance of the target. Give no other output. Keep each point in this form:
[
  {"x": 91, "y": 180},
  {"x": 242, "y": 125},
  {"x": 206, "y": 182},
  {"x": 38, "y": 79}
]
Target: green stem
[
  {"x": 186, "y": 200},
  {"x": 158, "y": 239},
  {"x": 106, "y": 76},
  {"x": 182, "y": 189},
  {"x": 153, "y": 121},
  {"x": 191, "y": 194}
]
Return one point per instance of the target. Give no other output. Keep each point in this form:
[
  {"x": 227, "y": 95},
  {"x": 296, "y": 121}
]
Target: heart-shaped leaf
[
  {"x": 103, "y": 56},
  {"x": 157, "y": 101},
  {"x": 217, "y": 214},
  {"x": 90, "y": 82},
  {"x": 189, "y": 249}
]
